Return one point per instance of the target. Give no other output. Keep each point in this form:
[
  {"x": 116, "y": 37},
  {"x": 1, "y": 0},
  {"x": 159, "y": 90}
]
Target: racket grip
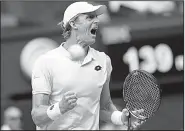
[{"x": 129, "y": 121}]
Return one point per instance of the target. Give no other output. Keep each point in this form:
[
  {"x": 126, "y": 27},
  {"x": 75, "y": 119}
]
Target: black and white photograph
[{"x": 92, "y": 65}]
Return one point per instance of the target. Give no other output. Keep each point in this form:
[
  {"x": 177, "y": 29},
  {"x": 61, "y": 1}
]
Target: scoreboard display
[
  {"x": 163, "y": 57},
  {"x": 158, "y": 50}
]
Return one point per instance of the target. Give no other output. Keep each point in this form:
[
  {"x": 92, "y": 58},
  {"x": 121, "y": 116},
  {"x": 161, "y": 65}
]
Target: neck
[{"x": 72, "y": 40}]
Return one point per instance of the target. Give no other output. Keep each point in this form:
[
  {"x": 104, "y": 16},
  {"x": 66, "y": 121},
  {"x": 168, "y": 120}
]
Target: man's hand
[
  {"x": 68, "y": 102},
  {"x": 135, "y": 123}
]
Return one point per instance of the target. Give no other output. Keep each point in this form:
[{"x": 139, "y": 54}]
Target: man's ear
[{"x": 73, "y": 25}]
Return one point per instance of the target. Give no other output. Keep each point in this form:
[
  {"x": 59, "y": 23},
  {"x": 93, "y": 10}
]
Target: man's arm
[
  {"x": 43, "y": 113},
  {"x": 107, "y": 108},
  {"x": 41, "y": 88},
  {"x": 40, "y": 104},
  {"x": 106, "y": 105}
]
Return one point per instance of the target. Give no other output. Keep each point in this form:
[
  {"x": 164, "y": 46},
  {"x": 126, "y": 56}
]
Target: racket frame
[{"x": 154, "y": 79}]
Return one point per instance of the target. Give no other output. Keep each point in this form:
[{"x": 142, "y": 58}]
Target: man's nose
[{"x": 96, "y": 20}]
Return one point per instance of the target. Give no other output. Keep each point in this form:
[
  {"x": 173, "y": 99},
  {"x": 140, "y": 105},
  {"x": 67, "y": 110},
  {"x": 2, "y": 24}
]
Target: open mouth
[{"x": 93, "y": 31}]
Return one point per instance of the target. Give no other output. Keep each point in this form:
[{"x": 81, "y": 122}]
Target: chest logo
[
  {"x": 97, "y": 68},
  {"x": 51, "y": 108}
]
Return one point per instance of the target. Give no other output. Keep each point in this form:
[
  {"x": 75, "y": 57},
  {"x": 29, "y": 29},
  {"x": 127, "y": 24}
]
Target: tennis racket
[{"x": 141, "y": 91}]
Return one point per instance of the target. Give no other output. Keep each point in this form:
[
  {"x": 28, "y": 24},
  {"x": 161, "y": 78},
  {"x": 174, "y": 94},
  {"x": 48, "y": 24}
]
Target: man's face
[{"x": 87, "y": 26}]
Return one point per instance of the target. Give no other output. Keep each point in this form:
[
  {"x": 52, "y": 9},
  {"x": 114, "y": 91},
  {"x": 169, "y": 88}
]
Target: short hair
[{"x": 67, "y": 28}]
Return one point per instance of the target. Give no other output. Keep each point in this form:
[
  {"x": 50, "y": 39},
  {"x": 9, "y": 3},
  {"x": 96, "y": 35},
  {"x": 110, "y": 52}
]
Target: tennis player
[{"x": 74, "y": 94}]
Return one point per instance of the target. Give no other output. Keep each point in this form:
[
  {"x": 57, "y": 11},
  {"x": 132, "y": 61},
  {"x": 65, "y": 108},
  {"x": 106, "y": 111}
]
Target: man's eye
[{"x": 90, "y": 17}]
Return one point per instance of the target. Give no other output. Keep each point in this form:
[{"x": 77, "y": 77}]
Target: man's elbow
[{"x": 35, "y": 117}]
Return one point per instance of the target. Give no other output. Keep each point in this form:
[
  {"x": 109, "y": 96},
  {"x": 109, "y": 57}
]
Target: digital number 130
[{"x": 159, "y": 58}]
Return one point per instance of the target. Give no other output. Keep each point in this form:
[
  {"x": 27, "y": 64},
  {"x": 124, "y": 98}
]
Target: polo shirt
[{"x": 54, "y": 73}]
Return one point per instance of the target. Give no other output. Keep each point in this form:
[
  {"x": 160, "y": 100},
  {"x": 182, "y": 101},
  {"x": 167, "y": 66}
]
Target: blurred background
[{"x": 145, "y": 35}]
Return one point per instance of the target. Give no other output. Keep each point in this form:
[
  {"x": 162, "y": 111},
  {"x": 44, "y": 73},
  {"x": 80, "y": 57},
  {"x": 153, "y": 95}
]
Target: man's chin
[{"x": 88, "y": 43}]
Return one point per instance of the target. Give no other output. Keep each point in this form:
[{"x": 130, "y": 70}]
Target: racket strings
[{"x": 142, "y": 92}]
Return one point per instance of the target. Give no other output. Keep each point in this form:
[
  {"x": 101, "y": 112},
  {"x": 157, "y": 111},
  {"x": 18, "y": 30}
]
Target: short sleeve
[
  {"x": 41, "y": 77},
  {"x": 109, "y": 66}
]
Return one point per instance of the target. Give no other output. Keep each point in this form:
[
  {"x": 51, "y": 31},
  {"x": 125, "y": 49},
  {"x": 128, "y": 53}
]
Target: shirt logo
[
  {"x": 97, "y": 68},
  {"x": 34, "y": 77},
  {"x": 51, "y": 108}
]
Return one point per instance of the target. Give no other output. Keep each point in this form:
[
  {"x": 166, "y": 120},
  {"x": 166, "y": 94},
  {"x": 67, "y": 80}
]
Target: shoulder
[
  {"x": 100, "y": 55},
  {"x": 47, "y": 57},
  {"x": 102, "y": 58}
]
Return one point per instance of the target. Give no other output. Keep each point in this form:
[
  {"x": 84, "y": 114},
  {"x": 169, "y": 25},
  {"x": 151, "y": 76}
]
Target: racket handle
[{"x": 129, "y": 121}]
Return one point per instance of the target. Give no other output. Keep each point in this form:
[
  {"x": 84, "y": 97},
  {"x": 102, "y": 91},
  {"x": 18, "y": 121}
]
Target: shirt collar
[
  {"x": 91, "y": 53},
  {"x": 64, "y": 51}
]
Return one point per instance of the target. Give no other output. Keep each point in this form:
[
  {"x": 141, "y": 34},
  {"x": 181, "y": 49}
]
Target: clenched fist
[
  {"x": 68, "y": 102},
  {"x": 135, "y": 123}
]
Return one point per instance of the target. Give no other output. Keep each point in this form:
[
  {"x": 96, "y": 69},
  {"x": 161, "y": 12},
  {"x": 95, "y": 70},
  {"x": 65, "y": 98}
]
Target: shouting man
[{"x": 70, "y": 84}]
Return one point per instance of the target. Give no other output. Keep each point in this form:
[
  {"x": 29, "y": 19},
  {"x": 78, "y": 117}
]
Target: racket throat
[{"x": 129, "y": 121}]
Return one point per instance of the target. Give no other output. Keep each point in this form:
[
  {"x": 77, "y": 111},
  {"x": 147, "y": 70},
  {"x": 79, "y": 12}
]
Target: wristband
[
  {"x": 116, "y": 118},
  {"x": 53, "y": 111}
]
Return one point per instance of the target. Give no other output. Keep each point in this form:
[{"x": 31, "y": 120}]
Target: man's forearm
[
  {"x": 105, "y": 115},
  {"x": 39, "y": 115},
  {"x": 106, "y": 112}
]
